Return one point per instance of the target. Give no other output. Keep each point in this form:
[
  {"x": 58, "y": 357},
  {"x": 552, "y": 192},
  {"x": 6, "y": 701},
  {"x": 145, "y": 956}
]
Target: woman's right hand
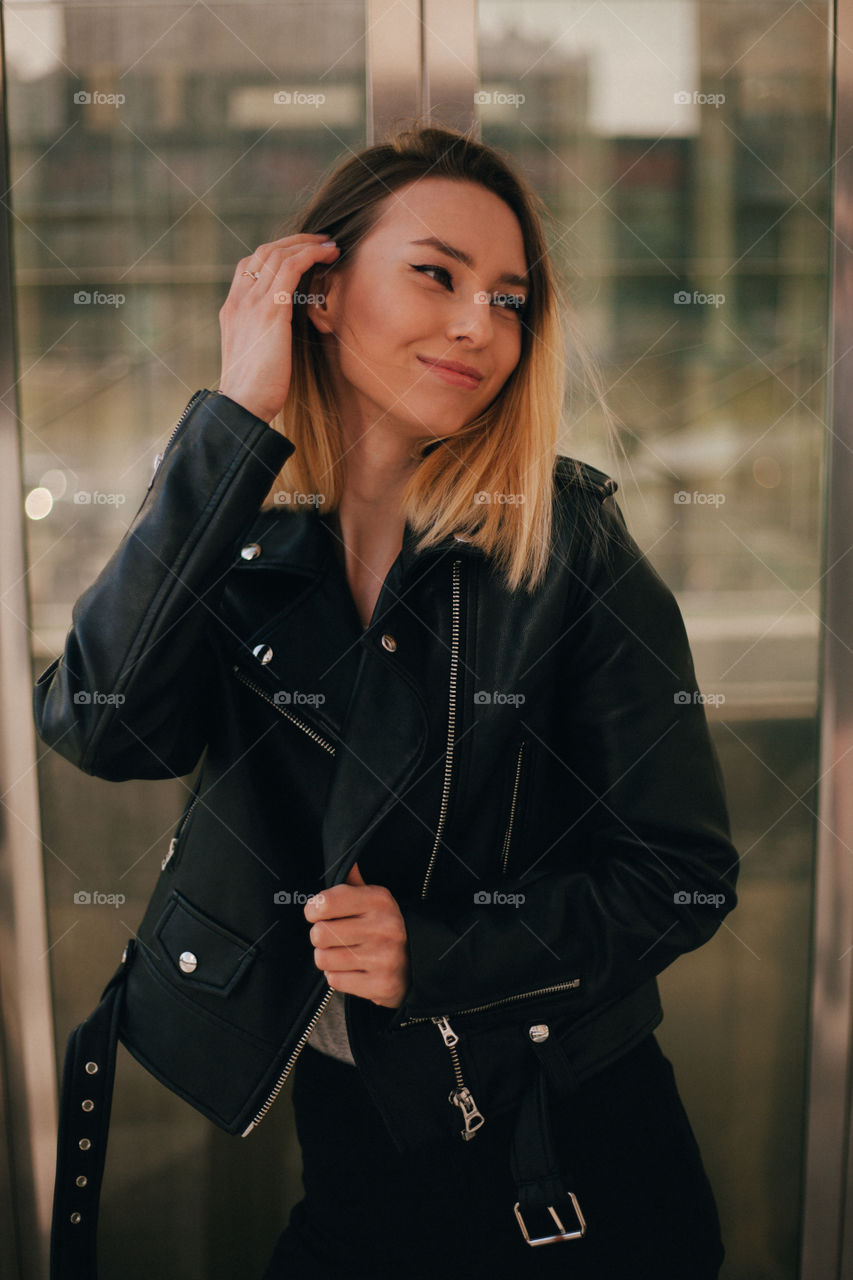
[{"x": 256, "y": 329}]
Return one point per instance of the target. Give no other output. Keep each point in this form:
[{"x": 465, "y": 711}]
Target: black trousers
[{"x": 447, "y": 1211}]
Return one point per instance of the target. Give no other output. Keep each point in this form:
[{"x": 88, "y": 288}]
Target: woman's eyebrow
[{"x": 465, "y": 258}]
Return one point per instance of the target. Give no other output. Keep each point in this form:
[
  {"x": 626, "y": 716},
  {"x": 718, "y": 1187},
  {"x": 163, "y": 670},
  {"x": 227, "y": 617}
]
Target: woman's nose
[{"x": 472, "y": 318}]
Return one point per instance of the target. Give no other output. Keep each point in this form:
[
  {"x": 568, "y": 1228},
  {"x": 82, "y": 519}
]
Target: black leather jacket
[{"x": 568, "y": 841}]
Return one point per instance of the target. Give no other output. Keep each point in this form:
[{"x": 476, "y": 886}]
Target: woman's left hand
[{"x": 359, "y": 939}]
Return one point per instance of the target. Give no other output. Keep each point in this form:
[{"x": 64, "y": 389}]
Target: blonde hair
[{"x": 509, "y": 450}]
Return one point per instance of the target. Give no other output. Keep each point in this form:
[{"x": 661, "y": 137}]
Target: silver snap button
[
  {"x": 539, "y": 1031},
  {"x": 187, "y": 962},
  {"x": 88, "y": 1105},
  {"x": 251, "y": 552},
  {"x": 76, "y": 1217},
  {"x": 389, "y": 643},
  {"x": 263, "y": 653},
  {"x": 91, "y": 1068},
  {"x": 84, "y": 1144},
  {"x": 81, "y": 1181}
]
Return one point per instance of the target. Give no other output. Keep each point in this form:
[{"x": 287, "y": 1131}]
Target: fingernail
[{"x": 328, "y": 244}]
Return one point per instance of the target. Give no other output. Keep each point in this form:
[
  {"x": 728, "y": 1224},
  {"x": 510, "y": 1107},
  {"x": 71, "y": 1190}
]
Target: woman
[{"x": 458, "y": 805}]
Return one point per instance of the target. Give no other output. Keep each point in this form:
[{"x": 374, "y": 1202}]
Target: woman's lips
[{"x": 451, "y": 376}]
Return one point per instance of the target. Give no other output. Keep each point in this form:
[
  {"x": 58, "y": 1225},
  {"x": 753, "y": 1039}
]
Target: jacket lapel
[{"x": 375, "y": 702}]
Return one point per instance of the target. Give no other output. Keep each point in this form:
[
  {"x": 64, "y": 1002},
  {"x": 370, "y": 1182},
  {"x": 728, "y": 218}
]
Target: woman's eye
[
  {"x": 443, "y": 273},
  {"x": 514, "y": 303}
]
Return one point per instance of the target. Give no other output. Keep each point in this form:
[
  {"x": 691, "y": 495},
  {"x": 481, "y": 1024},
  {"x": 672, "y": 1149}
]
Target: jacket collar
[{"x": 301, "y": 542}]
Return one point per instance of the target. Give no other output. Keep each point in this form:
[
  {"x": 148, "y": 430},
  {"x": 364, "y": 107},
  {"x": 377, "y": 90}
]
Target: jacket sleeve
[
  {"x": 645, "y": 868},
  {"x": 131, "y": 695}
]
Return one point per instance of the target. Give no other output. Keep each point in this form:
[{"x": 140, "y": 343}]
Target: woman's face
[{"x": 397, "y": 307}]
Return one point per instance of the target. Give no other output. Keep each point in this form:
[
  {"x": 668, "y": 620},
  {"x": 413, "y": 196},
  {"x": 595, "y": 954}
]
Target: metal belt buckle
[{"x": 563, "y": 1234}]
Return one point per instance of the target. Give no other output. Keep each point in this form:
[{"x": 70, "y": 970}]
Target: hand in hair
[{"x": 255, "y": 321}]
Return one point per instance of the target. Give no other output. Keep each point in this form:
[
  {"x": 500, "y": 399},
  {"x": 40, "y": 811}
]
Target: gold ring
[{"x": 253, "y": 274}]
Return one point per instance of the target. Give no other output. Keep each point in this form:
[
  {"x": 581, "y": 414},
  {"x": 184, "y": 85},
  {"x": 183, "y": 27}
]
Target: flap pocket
[{"x": 201, "y": 952}]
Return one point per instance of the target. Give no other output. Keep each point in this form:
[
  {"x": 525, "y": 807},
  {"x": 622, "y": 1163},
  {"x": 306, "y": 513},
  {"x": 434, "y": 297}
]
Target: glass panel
[
  {"x": 683, "y": 149},
  {"x": 153, "y": 146}
]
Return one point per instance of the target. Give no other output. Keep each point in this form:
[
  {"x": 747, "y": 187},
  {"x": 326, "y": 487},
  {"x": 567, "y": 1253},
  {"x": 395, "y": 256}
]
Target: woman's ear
[{"x": 321, "y": 308}]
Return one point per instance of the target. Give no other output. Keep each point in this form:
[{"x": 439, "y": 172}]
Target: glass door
[{"x": 684, "y": 152}]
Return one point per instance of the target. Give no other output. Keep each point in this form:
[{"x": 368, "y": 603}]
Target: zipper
[
  {"x": 282, "y": 710},
  {"x": 173, "y": 843},
  {"x": 461, "y": 1097},
  {"x": 160, "y": 456},
  {"x": 300, "y": 1045},
  {"x": 451, "y": 724},
  {"x": 508, "y": 833},
  {"x": 493, "y": 1004}
]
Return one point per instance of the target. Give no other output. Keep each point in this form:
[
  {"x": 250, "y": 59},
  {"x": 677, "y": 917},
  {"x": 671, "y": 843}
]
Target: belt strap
[
  {"x": 542, "y": 1182},
  {"x": 84, "y": 1119}
]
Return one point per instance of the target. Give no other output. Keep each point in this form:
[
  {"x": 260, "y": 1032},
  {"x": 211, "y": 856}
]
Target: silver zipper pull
[
  {"x": 471, "y": 1115},
  {"x": 173, "y": 844},
  {"x": 448, "y": 1035}
]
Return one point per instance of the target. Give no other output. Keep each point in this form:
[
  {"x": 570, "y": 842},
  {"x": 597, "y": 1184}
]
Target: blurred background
[{"x": 683, "y": 150}]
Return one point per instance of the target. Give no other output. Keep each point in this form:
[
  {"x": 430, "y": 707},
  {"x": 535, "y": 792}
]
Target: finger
[
  {"x": 337, "y": 903},
  {"x": 354, "y": 875}
]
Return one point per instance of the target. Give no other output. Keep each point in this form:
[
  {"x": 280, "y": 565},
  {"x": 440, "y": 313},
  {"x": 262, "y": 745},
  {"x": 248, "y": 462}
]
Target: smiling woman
[
  {"x": 440, "y": 328},
  {"x": 459, "y": 805}
]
